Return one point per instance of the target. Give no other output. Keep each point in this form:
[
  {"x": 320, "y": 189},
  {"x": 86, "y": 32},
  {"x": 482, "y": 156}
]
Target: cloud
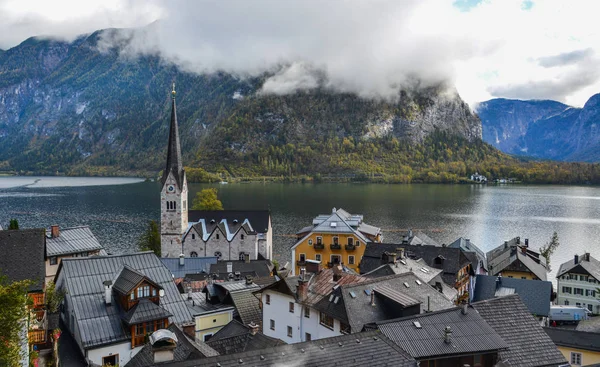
[{"x": 566, "y": 58}]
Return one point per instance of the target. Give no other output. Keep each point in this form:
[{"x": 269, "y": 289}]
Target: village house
[
  {"x": 336, "y": 238},
  {"x": 514, "y": 259},
  {"x": 465, "y": 244},
  {"x": 208, "y": 317},
  {"x": 578, "y": 281},
  {"x": 113, "y": 303},
  {"x": 236, "y": 337},
  {"x": 239, "y": 295},
  {"x": 69, "y": 242},
  {"x": 580, "y": 348},
  {"x": 227, "y": 234}
]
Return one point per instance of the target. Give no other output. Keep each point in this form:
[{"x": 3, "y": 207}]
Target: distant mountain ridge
[
  {"x": 543, "y": 128},
  {"x": 66, "y": 106}
]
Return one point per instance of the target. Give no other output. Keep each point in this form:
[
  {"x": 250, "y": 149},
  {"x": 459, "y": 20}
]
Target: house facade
[
  {"x": 514, "y": 259},
  {"x": 577, "y": 282},
  {"x": 69, "y": 242},
  {"x": 580, "y": 348},
  {"x": 228, "y": 235},
  {"x": 336, "y": 238}
]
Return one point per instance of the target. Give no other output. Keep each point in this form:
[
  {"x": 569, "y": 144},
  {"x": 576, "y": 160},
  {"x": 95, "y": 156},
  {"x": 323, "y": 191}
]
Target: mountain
[
  {"x": 71, "y": 108},
  {"x": 543, "y": 129}
]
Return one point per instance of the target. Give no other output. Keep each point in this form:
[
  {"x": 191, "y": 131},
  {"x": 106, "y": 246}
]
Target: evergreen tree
[
  {"x": 548, "y": 249},
  {"x": 13, "y": 318},
  {"x": 150, "y": 239},
  {"x": 14, "y": 224},
  {"x": 207, "y": 200}
]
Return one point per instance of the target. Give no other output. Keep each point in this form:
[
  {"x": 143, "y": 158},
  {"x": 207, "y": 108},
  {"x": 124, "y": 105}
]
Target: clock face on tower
[{"x": 171, "y": 188}]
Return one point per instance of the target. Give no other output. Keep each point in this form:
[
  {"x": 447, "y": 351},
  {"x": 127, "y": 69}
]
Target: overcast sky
[{"x": 544, "y": 49}]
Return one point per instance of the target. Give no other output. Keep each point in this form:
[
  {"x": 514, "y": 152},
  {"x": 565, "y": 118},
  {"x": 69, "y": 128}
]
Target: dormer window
[{"x": 143, "y": 291}]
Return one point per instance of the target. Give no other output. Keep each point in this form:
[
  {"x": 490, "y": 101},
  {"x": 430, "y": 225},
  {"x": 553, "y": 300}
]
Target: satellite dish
[{"x": 161, "y": 292}]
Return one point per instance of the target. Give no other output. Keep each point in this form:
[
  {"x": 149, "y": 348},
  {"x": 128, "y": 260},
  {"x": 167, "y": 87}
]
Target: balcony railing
[
  {"x": 319, "y": 246},
  {"x": 37, "y": 336},
  {"x": 334, "y": 246},
  {"x": 350, "y": 247},
  {"x": 301, "y": 263}
]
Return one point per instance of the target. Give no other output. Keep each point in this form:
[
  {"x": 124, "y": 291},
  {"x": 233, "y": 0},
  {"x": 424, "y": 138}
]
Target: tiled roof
[
  {"x": 191, "y": 265},
  {"x": 247, "y": 306},
  {"x": 535, "y": 294},
  {"x": 258, "y": 219},
  {"x": 467, "y": 246},
  {"x": 71, "y": 240},
  {"x": 471, "y": 334},
  {"x": 145, "y": 310},
  {"x": 83, "y": 279},
  {"x": 592, "y": 266},
  {"x": 127, "y": 280},
  {"x": 419, "y": 267},
  {"x": 529, "y": 345},
  {"x": 321, "y": 284},
  {"x": 510, "y": 254},
  {"x": 186, "y": 350},
  {"x": 574, "y": 339},
  {"x": 236, "y": 337},
  {"x": 23, "y": 256},
  {"x": 370, "y": 348}
]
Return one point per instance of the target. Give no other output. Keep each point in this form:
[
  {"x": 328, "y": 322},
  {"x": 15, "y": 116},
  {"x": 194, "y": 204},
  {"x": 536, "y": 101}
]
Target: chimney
[
  {"x": 253, "y": 328},
  {"x": 189, "y": 329},
  {"x": 505, "y": 245},
  {"x": 373, "y": 297},
  {"x": 447, "y": 335},
  {"x": 586, "y": 256},
  {"x": 527, "y": 242},
  {"x": 301, "y": 290},
  {"x": 181, "y": 260},
  {"x": 410, "y": 234},
  {"x": 333, "y": 211},
  {"x": 464, "y": 307},
  {"x": 107, "y": 292},
  {"x": 400, "y": 252},
  {"x": 54, "y": 231},
  {"x": 468, "y": 241},
  {"x": 247, "y": 258},
  {"x": 163, "y": 346},
  {"x": 576, "y": 260},
  {"x": 518, "y": 240},
  {"x": 337, "y": 272},
  {"x": 388, "y": 258},
  {"x": 189, "y": 292},
  {"x": 238, "y": 275},
  {"x": 248, "y": 279}
]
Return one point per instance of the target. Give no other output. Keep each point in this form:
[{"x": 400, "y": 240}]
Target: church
[{"x": 226, "y": 234}]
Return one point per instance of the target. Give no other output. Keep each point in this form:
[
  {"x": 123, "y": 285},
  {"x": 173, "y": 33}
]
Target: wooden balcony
[
  {"x": 319, "y": 246},
  {"x": 335, "y": 246},
  {"x": 37, "y": 336}
]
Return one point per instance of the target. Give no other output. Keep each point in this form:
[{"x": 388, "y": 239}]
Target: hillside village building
[
  {"x": 514, "y": 259},
  {"x": 578, "y": 281},
  {"x": 228, "y": 235}
]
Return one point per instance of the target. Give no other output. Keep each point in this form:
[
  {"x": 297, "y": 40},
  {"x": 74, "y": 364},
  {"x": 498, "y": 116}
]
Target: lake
[{"x": 118, "y": 209}]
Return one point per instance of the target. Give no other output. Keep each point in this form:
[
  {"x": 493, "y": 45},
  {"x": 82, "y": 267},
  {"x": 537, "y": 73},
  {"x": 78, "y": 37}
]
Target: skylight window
[
  {"x": 418, "y": 281},
  {"x": 352, "y": 294},
  {"x": 417, "y": 324},
  {"x": 403, "y": 262},
  {"x": 333, "y": 224},
  {"x": 330, "y": 298},
  {"x": 368, "y": 292},
  {"x": 406, "y": 285}
]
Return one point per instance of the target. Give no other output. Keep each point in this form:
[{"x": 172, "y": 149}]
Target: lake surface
[{"x": 118, "y": 209}]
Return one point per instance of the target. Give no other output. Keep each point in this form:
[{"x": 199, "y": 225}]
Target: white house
[{"x": 577, "y": 282}]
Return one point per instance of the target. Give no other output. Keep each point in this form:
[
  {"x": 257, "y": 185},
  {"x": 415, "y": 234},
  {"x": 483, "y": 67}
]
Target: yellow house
[
  {"x": 580, "y": 348},
  {"x": 336, "y": 238},
  {"x": 209, "y": 318}
]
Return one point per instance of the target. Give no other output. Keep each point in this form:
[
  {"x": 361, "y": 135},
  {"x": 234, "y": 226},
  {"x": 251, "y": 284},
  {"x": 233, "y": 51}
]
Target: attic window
[
  {"x": 352, "y": 294},
  {"x": 406, "y": 285},
  {"x": 418, "y": 281},
  {"x": 333, "y": 224},
  {"x": 424, "y": 270},
  {"x": 417, "y": 324}
]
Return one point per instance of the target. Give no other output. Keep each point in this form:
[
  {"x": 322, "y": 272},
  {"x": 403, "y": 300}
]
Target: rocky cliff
[{"x": 68, "y": 105}]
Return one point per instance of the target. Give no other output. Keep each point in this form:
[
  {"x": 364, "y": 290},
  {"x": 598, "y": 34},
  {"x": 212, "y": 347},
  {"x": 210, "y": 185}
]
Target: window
[
  {"x": 590, "y": 292},
  {"x": 566, "y": 290},
  {"x": 218, "y": 254},
  {"x": 318, "y": 257},
  {"x": 576, "y": 358},
  {"x": 566, "y": 302},
  {"x": 302, "y": 257},
  {"x": 184, "y": 207},
  {"x": 193, "y": 236},
  {"x": 268, "y": 299},
  {"x": 132, "y": 296},
  {"x": 319, "y": 240},
  {"x": 326, "y": 320},
  {"x": 84, "y": 254},
  {"x": 307, "y": 337},
  {"x": 578, "y": 291},
  {"x": 523, "y": 277},
  {"x": 161, "y": 324},
  {"x": 289, "y": 331},
  {"x": 53, "y": 260},
  {"x": 344, "y": 328},
  {"x": 582, "y": 277},
  {"x": 193, "y": 254},
  {"x": 174, "y": 205},
  {"x": 336, "y": 259},
  {"x": 350, "y": 259},
  {"x": 110, "y": 360},
  {"x": 150, "y": 327},
  {"x": 335, "y": 240},
  {"x": 217, "y": 236},
  {"x": 590, "y": 308},
  {"x": 272, "y": 324},
  {"x": 291, "y": 308},
  {"x": 578, "y": 304},
  {"x": 139, "y": 329},
  {"x": 153, "y": 292},
  {"x": 143, "y": 291},
  {"x": 307, "y": 312},
  {"x": 242, "y": 236},
  {"x": 350, "y": 241},
  {"x": 310, "y": 242}
]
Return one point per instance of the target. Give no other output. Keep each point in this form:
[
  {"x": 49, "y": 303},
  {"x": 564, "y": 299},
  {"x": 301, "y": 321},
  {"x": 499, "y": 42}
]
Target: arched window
[
  {"x": 242, "y": 236},
  {"x": 241, "y": 257},
  {"x": 193, "y": 254},
  {"x": 174, "y": 205}
]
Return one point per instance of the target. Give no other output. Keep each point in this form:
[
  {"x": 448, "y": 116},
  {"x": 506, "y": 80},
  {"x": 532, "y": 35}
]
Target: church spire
[{"x": 174, "y": 162}]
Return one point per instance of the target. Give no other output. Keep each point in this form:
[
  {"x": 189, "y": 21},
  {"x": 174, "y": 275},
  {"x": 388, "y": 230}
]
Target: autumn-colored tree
[
  {"x": 150, "y": 239},
  {"x": 13, "y": 318},
  {"x": 207, "y": 200}
]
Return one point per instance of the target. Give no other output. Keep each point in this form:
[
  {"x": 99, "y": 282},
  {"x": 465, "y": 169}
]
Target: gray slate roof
[
  {"x": 574, "y": 339},
  {"x": 145, "y": 310},
  {"x": 262, "y": 268},
  {"x": 370, "y": 348},
  {"x": 83, "y": 279},
  {"x": 511, "y": 256},
  {"x": 529, "y": 345},
  {"x": 236, "y": 337},
  {"x": 186, "y": 350},
  {"x": 259, "y": 219},
  {"x": 72, "y": 240},
  {"x": 127, "y": 280},
  {"x": 535, "y": 294},
  {"x": 471, "y": 334},
  {"x": 23, "y": 256},
  {"x": 592, "y": 266},
  {"x": 198, "y": 304},
  {"x": 247, "y": 307},
  {"x": 467, "y": 246},
  {"x": 191, "y": 265}
]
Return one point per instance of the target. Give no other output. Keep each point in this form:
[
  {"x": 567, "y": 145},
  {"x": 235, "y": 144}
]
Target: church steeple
[{"x": 174, "y": 162}]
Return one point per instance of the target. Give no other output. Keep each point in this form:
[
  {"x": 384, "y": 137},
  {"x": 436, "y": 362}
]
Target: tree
[
  {"x": 13, "y": 318},
  {"x": 548, "y": 249},
  {"x": 53, "y": 297},
  {"x": 207, "y": 200},
  {"x": 150, "y": 239},
  {"x": 13, "y": 224}
]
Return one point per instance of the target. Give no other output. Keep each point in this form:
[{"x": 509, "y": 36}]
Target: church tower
[{"x": 174, "y": 193}]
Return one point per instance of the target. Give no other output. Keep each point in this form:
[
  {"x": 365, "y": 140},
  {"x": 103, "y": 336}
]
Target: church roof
[{"x": 174, "y": 161}]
